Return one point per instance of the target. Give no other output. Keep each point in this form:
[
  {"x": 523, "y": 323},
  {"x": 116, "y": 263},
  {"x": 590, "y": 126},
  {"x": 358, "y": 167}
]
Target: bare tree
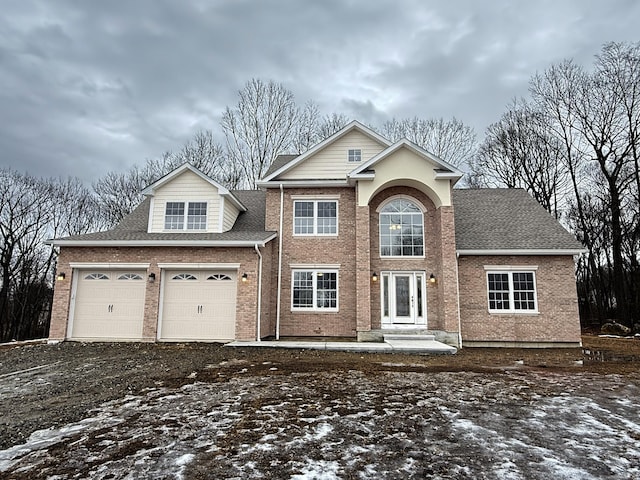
[
  {"x": 451, "y": 140},
  {"x": 119, "y": 193},
  {"x": 24, "y": 218},
  {"x": 330, "y": 124},
  {"x": 259, "y": 128},
  {"x": 519, "y": 152}
]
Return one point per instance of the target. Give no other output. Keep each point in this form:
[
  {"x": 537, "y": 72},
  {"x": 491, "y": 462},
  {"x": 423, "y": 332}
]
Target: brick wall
[
  {"x": 315, "y": 250},
  {"x": 432, "y": 263},
  {"x": 246, "y": 311},
  {"x": 557, "y": 320}
]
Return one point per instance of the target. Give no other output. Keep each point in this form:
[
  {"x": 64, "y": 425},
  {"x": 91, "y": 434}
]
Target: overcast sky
[{"x": 87, "y": 87}]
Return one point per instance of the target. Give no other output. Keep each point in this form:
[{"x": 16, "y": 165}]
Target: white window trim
[
  {"x": 509, "y": 270},
  {"x": 315, "y": 308},
  {"x": 349, "y": 150},
  {"x": 186, "y": 217},
  {"x": 379, "y": 211},
  {"x": 315, "y": 201}
]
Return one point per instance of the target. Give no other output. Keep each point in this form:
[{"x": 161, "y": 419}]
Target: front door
[{"x": 403, "y": 298}]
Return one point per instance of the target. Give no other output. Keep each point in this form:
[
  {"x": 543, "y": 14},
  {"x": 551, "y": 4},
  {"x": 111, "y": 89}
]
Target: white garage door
[
  {"x": 199, "y": 305},
  {"x": 109, "y": 304}
]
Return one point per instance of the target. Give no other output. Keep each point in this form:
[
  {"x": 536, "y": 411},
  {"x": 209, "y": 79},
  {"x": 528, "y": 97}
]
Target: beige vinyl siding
[
  {"x": 332, "y": 162},
  {"x": 230, "y": 214},
  {"x": 185, "y": 188}
]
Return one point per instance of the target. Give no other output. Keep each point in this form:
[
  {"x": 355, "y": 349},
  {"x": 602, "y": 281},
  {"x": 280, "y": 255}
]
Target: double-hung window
[
  {"x": 193, "y": 217},
  {"x": 315, "y": 290},
  {"x": 315, "y": 217},
  {"x": 512, "y": 292}
]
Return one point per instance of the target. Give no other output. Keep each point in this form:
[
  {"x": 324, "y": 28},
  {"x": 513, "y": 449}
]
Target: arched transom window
[{"x": 401, "y": 229}]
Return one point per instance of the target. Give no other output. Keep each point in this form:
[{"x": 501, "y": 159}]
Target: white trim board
[
  {"x": 547, "y": 251},
  {"x": 109, "y": 266},
  {"x": 199, "y": 266}
]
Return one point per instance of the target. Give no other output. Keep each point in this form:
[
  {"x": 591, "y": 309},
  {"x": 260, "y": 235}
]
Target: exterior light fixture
[
  {"x": 432, "y": 279},
  {"x": 374, "y": 277},
  {"x": 152, "y": 277},
  {"x": 61, "y": 276},
  {"x": 244, "y": 277}
]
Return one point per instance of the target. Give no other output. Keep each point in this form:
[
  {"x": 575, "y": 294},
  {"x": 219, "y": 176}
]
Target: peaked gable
[
  {"x": 187, "y": 167},
  {"x": 443, "y": 169},
  {"x": 362, "y": 137}
]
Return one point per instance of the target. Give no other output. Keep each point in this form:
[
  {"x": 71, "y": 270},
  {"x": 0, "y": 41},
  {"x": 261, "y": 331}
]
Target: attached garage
[
  {"x": 198, "y": 305},
  {"x": 108, "y": 304}
]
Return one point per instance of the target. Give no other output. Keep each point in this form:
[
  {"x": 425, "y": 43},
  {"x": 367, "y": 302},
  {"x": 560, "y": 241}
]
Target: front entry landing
[{"x": 403, "y": 297}]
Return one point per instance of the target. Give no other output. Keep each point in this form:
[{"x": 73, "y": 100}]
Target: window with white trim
[
  {"x": 512, "y": 292},
  {"x": 354, "y": 155},
  {"x": 401, "y": 229},
  {"x": 315, "y": 290},
  {"x": 194, "y": 217},
  {"x": 315, "y": 217}
]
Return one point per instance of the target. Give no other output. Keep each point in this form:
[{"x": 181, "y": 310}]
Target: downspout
[
  {"x": 458, "y": 288},
  {"x": 279, "y": 263},
  {"x": 259, "y": 292}
]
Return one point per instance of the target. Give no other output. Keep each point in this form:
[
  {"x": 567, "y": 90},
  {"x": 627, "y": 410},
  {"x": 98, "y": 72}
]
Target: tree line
[
  {"x": 265, "y": 122},
  {"x": 572, "y": 144}
]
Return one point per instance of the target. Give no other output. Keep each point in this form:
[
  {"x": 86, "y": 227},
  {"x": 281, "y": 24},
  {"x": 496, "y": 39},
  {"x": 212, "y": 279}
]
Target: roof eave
[
  {"x": 303, "y": 183},
  {"x": 161, "y": 243},
  {"x": 521, "y": 251},
  {"x": 339, "y": 134}
]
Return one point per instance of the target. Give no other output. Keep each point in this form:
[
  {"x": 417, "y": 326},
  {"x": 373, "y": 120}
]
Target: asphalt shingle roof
[
  {"x": 248, "y": 227},
  {"x": 506, "y": 219},
  {"x": 279, "y": 162},
  {"x": 485, "y": 219}
]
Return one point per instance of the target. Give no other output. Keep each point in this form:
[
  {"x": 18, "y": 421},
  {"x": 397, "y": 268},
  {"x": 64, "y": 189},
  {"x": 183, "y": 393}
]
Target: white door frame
[{"x": 417, "y": 307}]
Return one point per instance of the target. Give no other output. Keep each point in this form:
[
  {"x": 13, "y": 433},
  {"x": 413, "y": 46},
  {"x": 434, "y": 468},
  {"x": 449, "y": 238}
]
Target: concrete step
[{"x": 409, "y": 337}]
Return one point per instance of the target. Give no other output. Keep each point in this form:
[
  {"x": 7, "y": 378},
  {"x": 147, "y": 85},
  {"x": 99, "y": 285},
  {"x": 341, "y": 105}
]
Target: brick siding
[
  {"x": 246, "y": 310},
  {"x": 557, "y": 320}
]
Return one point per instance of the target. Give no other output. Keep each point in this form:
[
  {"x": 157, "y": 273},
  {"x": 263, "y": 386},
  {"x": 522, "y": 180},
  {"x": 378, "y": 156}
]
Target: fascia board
[
  {"x": 416, "y": 149},
  {"x": 303, "y": 183},
  {"x": 537, "y": 252},
  {"x": 327, "y": 141},
  {"x": 160, "y": 243}
]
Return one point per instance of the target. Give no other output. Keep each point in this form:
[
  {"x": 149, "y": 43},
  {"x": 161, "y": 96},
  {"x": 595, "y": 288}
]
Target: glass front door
[{"x": 403, "y": 298}]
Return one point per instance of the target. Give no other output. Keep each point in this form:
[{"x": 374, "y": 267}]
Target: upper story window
[
  {"x": 401, "y": 229},
  {"x": 194, "y": 217},
  {"x": 513, "y": 292},
  {"x": 315, "y": 217},
  {"x": 354, "y": 155}
]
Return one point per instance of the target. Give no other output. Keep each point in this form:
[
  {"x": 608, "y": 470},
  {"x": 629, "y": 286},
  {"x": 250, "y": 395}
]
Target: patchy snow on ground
[{"x": 513, "y": 425}]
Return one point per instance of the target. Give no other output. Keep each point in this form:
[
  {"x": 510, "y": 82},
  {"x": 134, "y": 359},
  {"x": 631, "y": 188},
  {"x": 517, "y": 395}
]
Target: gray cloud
[{"x": 88, "y": 87}]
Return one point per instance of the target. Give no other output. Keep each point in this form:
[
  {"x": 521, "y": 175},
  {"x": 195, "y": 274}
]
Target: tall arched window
[{"x": 401, "y": 229}]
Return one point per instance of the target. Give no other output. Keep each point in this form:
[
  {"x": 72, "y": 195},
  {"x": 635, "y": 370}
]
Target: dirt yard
[{"x": 200, "y": 411}]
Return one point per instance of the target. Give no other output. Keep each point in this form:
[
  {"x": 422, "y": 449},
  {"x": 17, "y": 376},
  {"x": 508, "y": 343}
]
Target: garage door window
[
  {"x": 218, "y": 276},
  {"x": 130, "y": 276},
  {"x": 184, "y": 276},
  {"x": 96, "y": 276}
]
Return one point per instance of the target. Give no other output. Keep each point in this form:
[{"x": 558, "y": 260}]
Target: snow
[{"x": 514, "y": 425}]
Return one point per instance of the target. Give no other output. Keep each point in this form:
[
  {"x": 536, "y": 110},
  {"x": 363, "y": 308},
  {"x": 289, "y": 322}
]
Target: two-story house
[{"x": 356, "y": 237}]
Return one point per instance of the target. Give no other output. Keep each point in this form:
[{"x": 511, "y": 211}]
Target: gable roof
[
  {"x": 503, "y": 220},
  {"x": 222, "y": 191},
  {"x": 279, "y": 162},
  {"x": 443, "y": 169},
  {"x": 248, "y": 230},
  {"x": 273, "y": 173}
]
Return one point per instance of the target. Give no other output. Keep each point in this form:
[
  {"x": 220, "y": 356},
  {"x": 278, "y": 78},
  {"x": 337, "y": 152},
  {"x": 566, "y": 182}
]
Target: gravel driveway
[{"x": 111, "y": 411}]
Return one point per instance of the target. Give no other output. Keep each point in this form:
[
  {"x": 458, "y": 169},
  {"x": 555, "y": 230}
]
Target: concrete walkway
[{"x": 392, "y": 344}]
